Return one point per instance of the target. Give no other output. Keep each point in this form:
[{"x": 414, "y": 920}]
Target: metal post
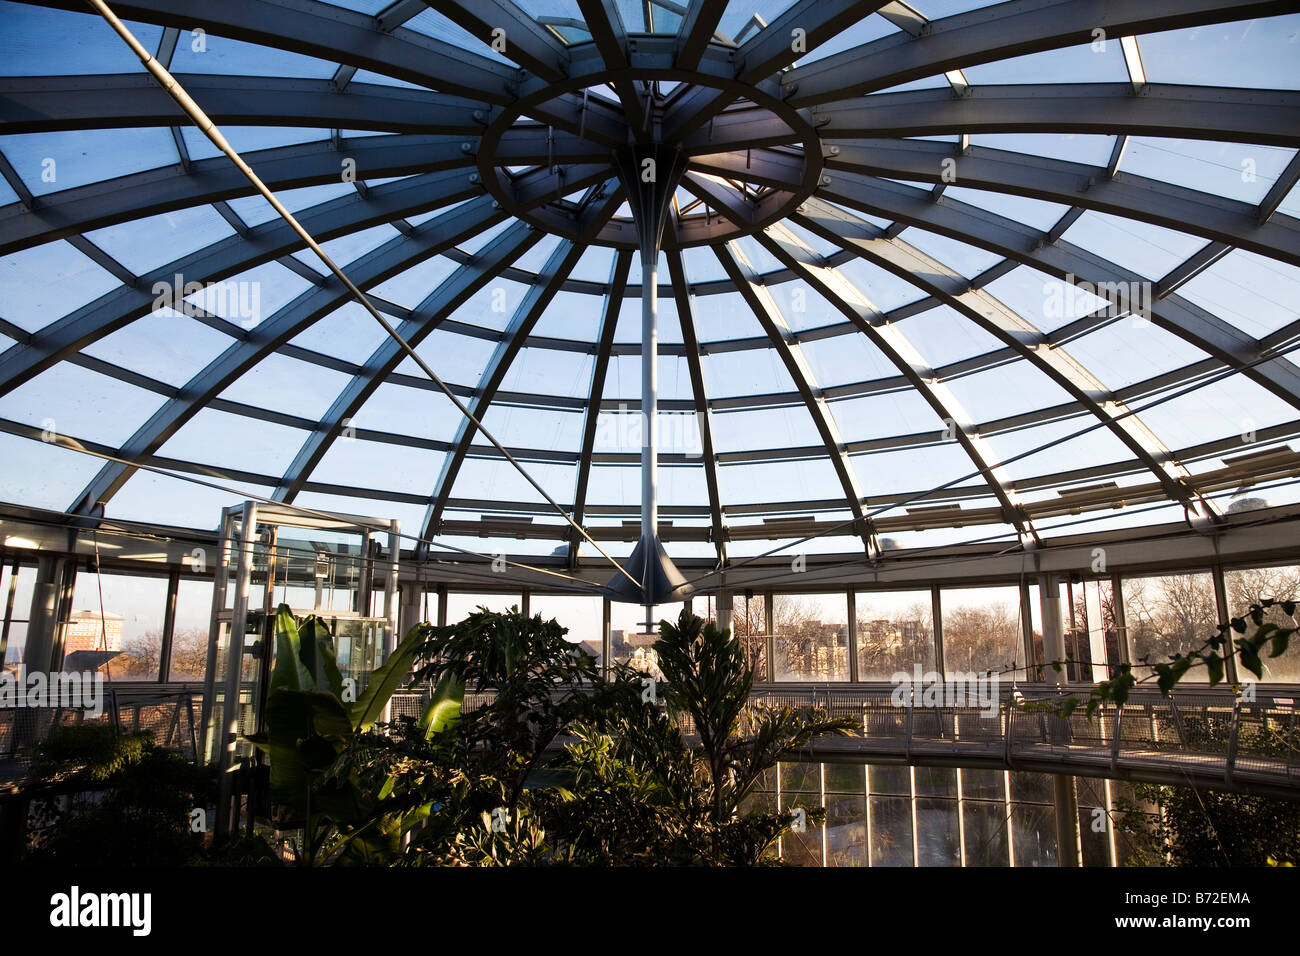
[
  {"x": 409, "y": 609},
  {"x": 169, "y": 625},
  {"x": 853, "y": 636},
  {"x": 43, "y": 618},
  {"x": 604, "y": 636},
  {"x": 1027, "y": 632},
  {"x": 771, "y": 638},
  {"x": 649, "y": 404},
  {"x": 1221, "y": 602},
  {"x": 220, "y": 578},
  {"x": 650, "y": 175},
  {"x": 1053, "y": 631},
  {"x": 234, "y": 667},
  {"x": 392, "y": 610},
  {"x": 1067, "y": 820},
  {"x": 936, "y": 619},
  {"x": 1117, "y": 600},
  {"x": 725, "y": 609}
]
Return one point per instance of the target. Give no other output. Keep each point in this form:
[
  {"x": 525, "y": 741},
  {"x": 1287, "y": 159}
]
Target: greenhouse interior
[{"x": 649, "y": 433}]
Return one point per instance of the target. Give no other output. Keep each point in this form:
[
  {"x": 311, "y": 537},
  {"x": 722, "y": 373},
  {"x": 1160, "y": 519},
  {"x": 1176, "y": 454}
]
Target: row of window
[
  {"x": 940, "y": 816},
  {"x": 788, "y": 636}
]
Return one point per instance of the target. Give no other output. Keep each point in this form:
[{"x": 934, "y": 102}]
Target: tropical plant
[
  {"x": 113, "y": 799},
  {"x": 535, "y": 686},
  {"x": 91, "y": 751},
  {"x": 643, "y": 792},
  {"x": 538, "y": 683},
  {"x": 344, "y": 813},
  {"x": 1209, "y": 828}
]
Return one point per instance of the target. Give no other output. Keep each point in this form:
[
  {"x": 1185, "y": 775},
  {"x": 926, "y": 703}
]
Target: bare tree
[
  {"x": 981, "y": 637},
  {"x": 1254, "y": 586},
  {"x": 1168, "y": 615}
]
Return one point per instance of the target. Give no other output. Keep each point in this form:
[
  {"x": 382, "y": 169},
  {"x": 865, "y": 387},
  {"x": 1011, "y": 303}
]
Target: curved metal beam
[
  {"x": 893, "y": 342},
  {"x": 1022, "y": 243},
  {"x": 526, "y": 316},
  {"x": 394, "y": 256},
  {"x": 703, "y": 416},
  {"x": 773, "y": 322},
  {"x": 620, "y": 266},
  {"x": 801, "y": 28},
  {"x": 1008, "y": 326},
  {"x": 523, "y": 39},
  {"x": 1064, "y": 411},
  {"x": 97, "y": 205},
  {"x": 1268, "y": 117},
  {"x": 43, "y": 104},
  {"x": 999, "y": 32},
  {"x": 1281, "y": 467},
  {"x": 228, "y": 257},
  {"x": 424, "y": 319},
  {"x": 329, "y": 33},
  {"x": 699, "y": 23},
  {"x": 1075, "y": 184}
]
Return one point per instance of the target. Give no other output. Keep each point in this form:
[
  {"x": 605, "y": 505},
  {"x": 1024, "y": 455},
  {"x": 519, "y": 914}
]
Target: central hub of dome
[{"x": 744, "y": 159}]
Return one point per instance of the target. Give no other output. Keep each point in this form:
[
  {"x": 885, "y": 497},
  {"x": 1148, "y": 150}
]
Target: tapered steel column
[{"x": 650, "y": 175}]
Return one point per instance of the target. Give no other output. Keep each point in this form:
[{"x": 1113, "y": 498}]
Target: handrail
[{"x": 1182, "y": 741}]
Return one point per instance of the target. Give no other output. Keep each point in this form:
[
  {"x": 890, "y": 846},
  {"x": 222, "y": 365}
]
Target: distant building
[
  {"x": 890, "y": 635},
  {"x": 83, "y": 633}
]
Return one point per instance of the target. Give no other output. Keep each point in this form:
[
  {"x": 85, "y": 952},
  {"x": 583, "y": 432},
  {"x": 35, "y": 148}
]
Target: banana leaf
[
  {"x": 445, "y": 705},
  {"x": 289, "y": 672},
  {"x": 317, "y": 652},
  {"x": 383, "y": 682},
  {"x": 305, "y": 732}
]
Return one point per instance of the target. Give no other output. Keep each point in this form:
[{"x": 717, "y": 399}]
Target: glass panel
[
  {"x": 628, "y": 640},
  {"x": 461, "y": 605},
  {"x": 801, "y": 787},
  {"x": 582, "y": 615},
  {"x": 891, "y": 831},
  {"x": 1094, "y": 821},
  {"x": 811, "y": 636},
  {"x": 16, "y": 591},
  {"x": 895, "y": 781},
  {"x": 1091, "y": 635},
  {"x": 846, "y": 824},
  {"x": 1252, "y": 585},
  {"x": 895, "y": 632},
  {"x": 985, "y": 827},
  {"x": 981, "y": 629},
  {"x": 938, "y": 836},
  {"x": 190, "y": 630},
  {"x": 116, "y": 625},
  {"x": 1168, "y": 614},
  {"x": 1034, "y": 834}
]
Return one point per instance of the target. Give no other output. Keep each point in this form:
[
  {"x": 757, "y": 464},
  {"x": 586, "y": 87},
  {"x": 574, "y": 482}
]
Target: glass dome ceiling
[{"x": 935, "y": 275}]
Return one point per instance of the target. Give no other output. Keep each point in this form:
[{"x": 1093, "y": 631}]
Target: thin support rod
[
  {"x": 209, "y": 129},
  {"x": 649, "y": 411}
]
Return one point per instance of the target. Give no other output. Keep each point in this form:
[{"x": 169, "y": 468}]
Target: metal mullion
[
  {"x": 169, "y": 624},
  {"x": 936, "y": 614}
]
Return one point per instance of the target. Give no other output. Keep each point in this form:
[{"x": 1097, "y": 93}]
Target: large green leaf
[
  {"x": 383, "y": 682},
  {"x": 305, "y": 731},
  {"x": 289, "y": 672},
  {"x": 317, "y": 651},
  {"x": 445, "y": 705}
]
